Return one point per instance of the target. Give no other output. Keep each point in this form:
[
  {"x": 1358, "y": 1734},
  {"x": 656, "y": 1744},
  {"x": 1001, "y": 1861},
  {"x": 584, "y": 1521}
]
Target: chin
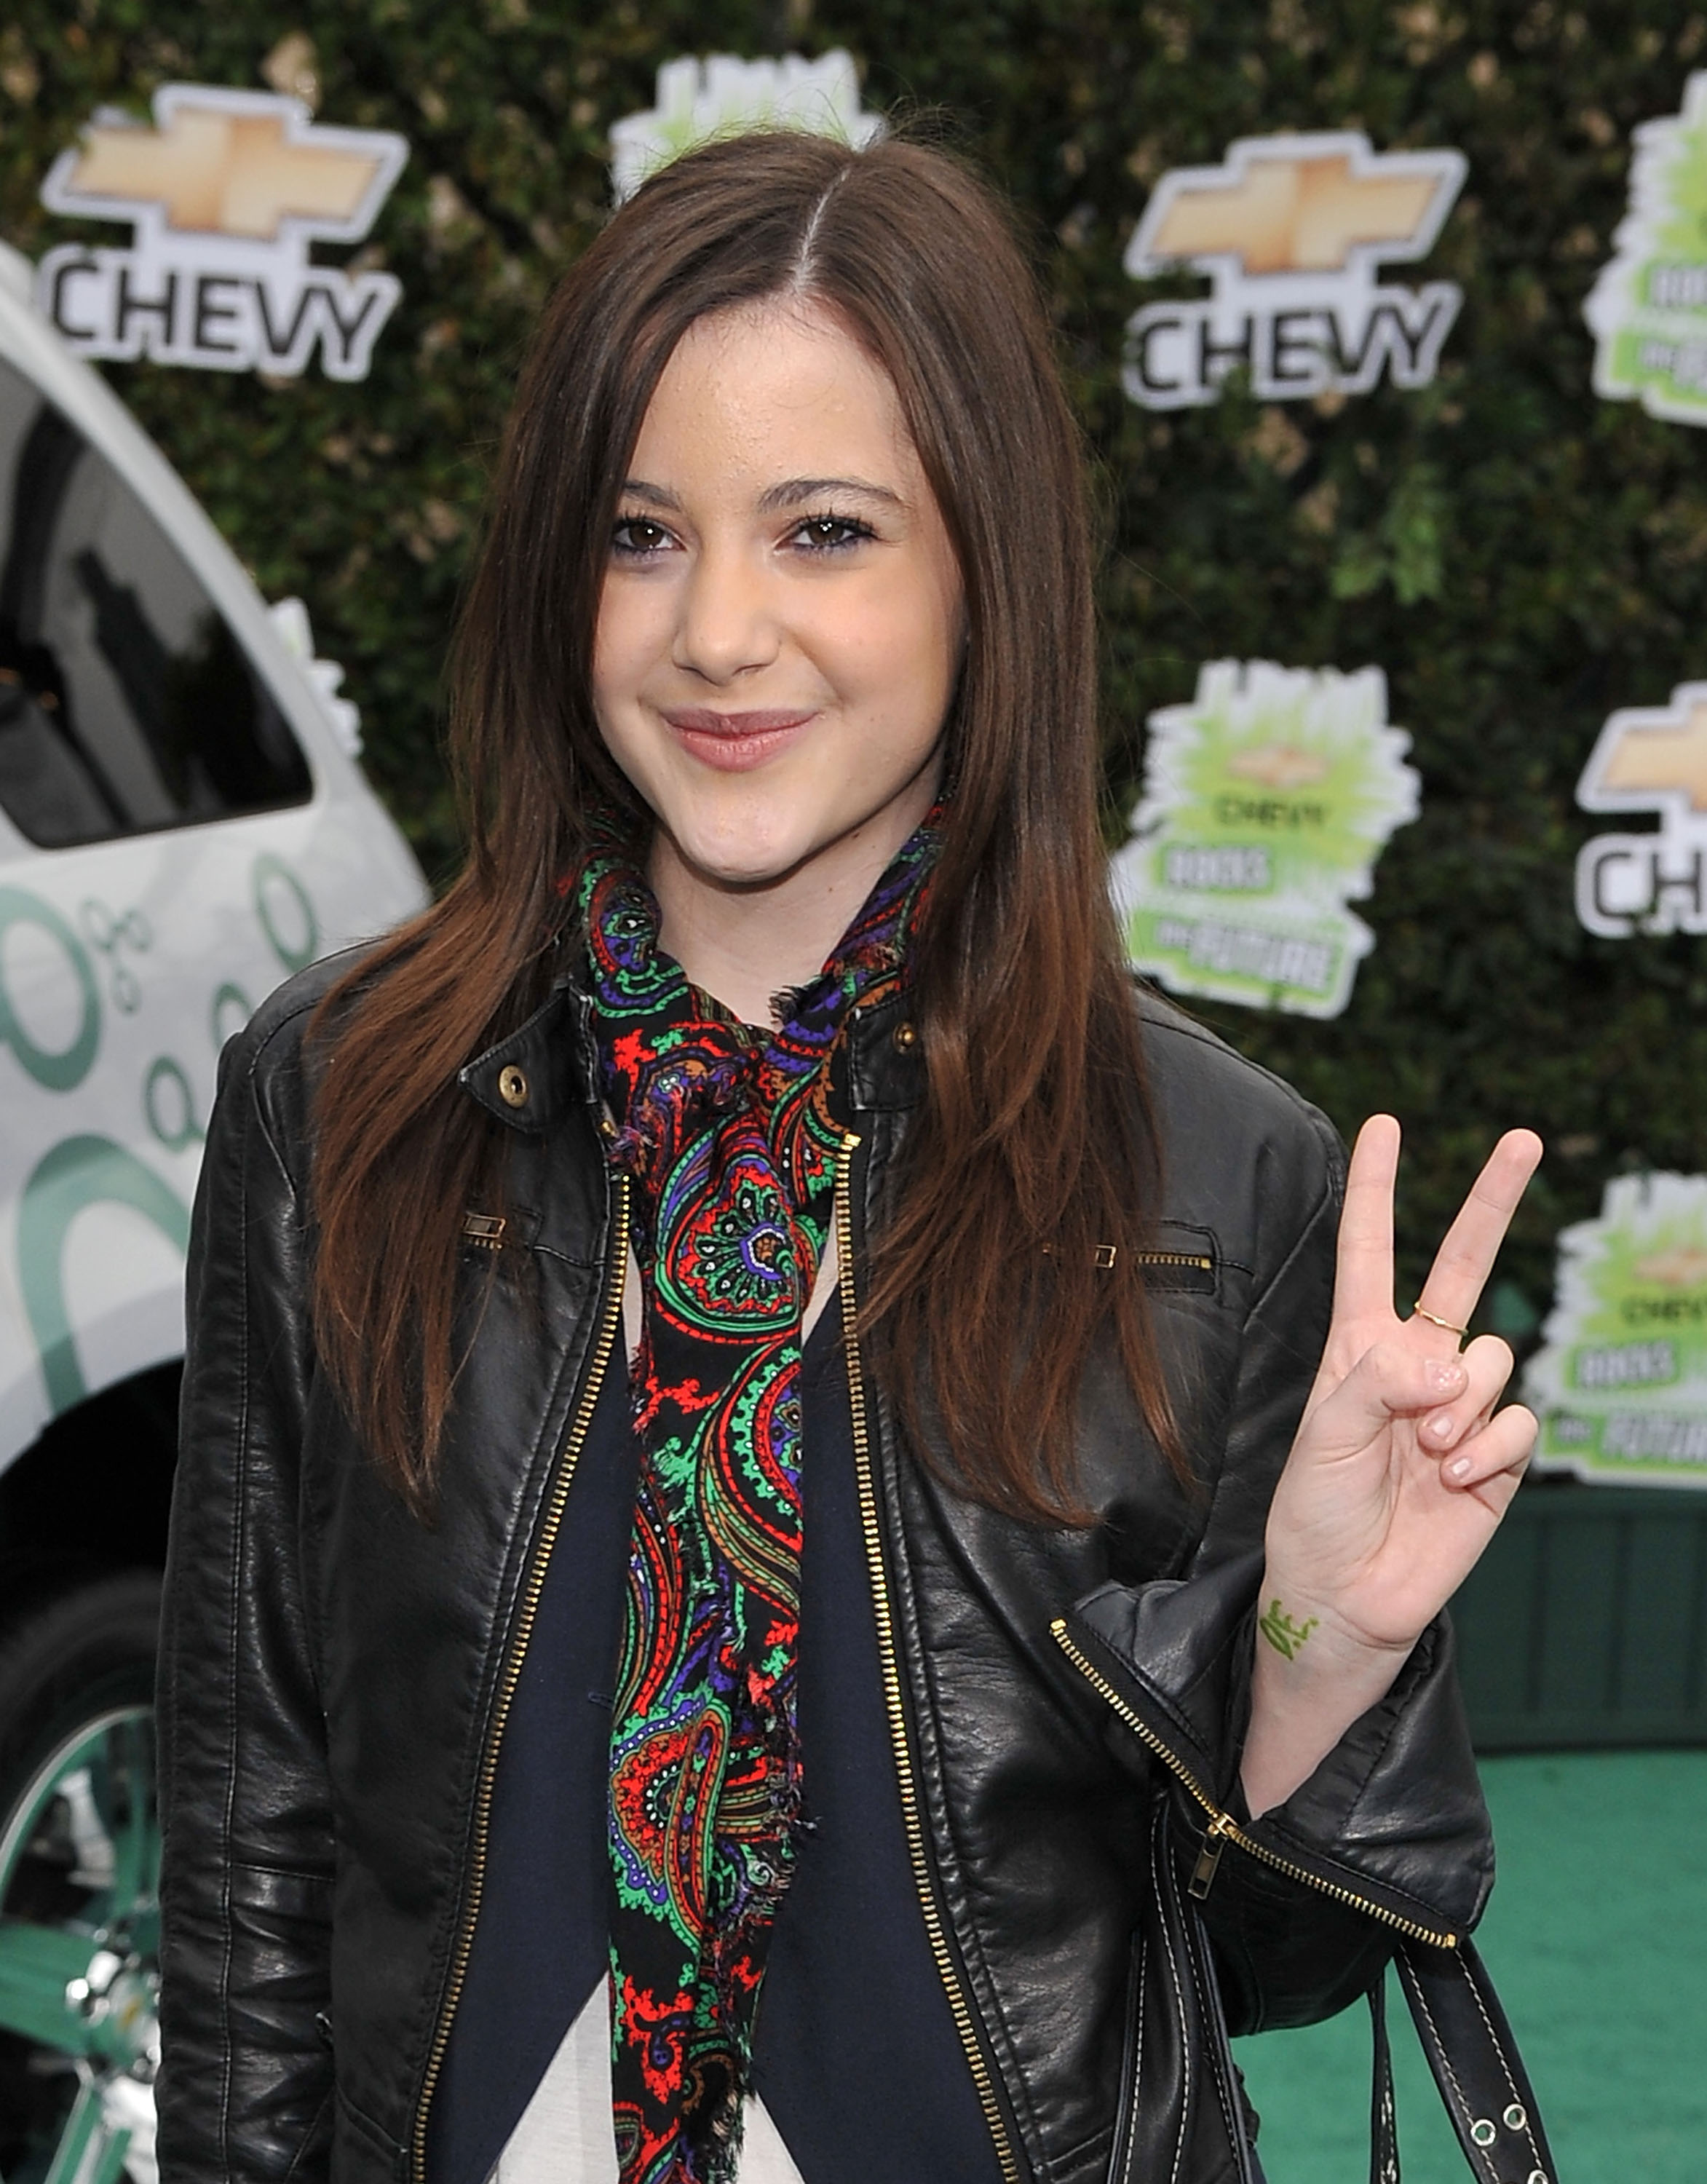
[
  {"x": 741, "y": 855},
  {"x": 735, "y": 868}
]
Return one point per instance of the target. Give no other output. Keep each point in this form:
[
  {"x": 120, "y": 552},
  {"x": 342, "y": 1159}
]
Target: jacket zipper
[
  {"x": 1223, "y": 1828},
  {"x": 912, "y": 1817},
  {"x": 1107, "y": 1254},
  {"x": 604, "y": 1341}
]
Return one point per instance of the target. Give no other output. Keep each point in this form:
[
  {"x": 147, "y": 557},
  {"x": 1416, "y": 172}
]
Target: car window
[{"x": 125, "y": 703}]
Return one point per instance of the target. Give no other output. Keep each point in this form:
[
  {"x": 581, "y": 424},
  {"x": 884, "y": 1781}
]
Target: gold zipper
[
  {"x": 912, "y": 1819},
  {"x": 1106, "y": 1256},
  {"x": 604, "y": 1341},
  {"x": 1223, "y": 1828}
]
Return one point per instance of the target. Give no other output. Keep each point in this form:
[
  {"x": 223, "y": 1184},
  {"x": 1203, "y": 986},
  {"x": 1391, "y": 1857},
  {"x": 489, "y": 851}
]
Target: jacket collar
[
  {"x": 886, "y": 1059},
  {"x": 529, "y": 1081},
  {"x": 532, "y": 1080}
]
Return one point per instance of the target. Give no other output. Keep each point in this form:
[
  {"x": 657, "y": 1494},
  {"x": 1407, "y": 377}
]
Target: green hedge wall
[{"x": 1519, "y": 556}]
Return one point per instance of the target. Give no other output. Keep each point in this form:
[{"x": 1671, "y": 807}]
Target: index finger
[
  {"x": 1363, "y": 1258},
  {"x": 1467, "y": 1251}
]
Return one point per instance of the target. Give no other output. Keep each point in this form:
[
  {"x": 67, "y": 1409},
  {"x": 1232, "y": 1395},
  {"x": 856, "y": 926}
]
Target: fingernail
[
  {"x": 1441, "y": 1427},
  {"x": 1459, "y": 1468},
  {"x": 1446, "y": 1374}
]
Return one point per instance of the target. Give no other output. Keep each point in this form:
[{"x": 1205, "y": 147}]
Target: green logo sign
[
  {"x": 1621, "y": 1386},
  {"x": 1266, "y": 802},
  {"x": 724, "y": 97},
  {"x": 1649, "y": 308}
]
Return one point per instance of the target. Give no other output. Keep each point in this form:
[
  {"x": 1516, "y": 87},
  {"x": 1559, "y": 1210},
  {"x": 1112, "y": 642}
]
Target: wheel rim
[{"x": 80, "y": 1918}]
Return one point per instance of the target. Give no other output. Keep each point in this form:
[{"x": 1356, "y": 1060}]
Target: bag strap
[
  {"x": 1476, "y": 2063},
  {"x": 1383, "y": 2119}
]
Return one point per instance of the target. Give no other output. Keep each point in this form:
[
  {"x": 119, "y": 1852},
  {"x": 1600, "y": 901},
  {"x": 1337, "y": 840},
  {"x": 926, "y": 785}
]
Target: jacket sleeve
[
  {"x": 1389, "y": 1834},
  {"x": 246, "y": 2078}
]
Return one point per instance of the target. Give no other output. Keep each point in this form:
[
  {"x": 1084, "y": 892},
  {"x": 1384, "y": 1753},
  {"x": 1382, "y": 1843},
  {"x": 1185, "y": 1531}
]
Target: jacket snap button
[
  {"x": 512, "y": 1086},
  {"x": 906, "y": 1036}
]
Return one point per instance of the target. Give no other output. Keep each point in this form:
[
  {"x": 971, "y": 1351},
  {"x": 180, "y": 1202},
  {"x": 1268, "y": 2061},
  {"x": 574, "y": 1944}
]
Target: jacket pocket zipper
[
  {"x": 604, "y": 1341},
  {"x": 1222, "y": 1828},
  {"x": 912, "y": 1817}
]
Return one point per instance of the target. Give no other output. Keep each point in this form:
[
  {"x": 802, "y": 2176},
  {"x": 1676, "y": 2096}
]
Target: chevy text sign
[
  {"x": 224, "y": 194},
  {"x": 1648, "y": 759},
  {"x": 1291, "y": 231}
]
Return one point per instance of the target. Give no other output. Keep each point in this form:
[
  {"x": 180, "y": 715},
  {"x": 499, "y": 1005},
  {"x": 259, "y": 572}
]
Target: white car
[{"x": 182, "y": 822}]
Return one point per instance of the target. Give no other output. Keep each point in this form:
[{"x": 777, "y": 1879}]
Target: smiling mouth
[{"x": 733, "y": 743}]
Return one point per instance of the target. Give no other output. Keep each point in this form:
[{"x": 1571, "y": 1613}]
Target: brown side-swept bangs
[{"x": 1033, "y": 1146}]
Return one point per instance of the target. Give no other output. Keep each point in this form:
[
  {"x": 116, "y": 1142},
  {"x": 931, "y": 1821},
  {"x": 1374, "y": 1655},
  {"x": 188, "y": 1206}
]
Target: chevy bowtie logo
[
  {"x": 1277, "y": 210},
  {"x": 1291, "y": 231},
  {"x": 214, "y": 172},
  {"x": 224, "y": 194},
  {"x": 1648, "y": 759}
]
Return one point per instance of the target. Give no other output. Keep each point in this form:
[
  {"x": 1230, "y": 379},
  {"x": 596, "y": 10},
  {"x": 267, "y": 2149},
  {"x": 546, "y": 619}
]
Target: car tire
[{"x": 79, "y": 1883}]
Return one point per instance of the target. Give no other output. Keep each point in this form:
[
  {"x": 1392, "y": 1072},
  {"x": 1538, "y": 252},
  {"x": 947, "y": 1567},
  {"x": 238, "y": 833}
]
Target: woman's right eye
[{"x": 638, "y": 537}]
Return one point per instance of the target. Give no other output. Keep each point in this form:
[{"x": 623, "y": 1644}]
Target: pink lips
[{"x": 734, "y": 743}]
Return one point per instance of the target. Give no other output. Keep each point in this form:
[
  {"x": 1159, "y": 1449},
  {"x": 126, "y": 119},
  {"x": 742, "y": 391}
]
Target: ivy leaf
[{"x": 1404, "y": 548}]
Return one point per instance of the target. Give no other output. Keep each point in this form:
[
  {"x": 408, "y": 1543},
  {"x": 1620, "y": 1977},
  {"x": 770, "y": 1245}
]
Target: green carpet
[{"x": 1597, "y": 1940}]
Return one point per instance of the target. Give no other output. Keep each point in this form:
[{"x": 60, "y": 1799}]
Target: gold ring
[{"x": 1420, "y": 1311}]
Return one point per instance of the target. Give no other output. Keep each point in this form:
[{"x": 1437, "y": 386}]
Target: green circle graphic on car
[{"x": 58, "y": 1069}]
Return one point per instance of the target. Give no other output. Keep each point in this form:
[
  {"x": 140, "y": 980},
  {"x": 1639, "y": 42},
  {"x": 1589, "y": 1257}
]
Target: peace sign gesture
[{"x": 1400, "y": 1471}]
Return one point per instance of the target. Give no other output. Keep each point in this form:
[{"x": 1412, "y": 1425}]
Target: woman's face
[{"x": 780, "y": 626}]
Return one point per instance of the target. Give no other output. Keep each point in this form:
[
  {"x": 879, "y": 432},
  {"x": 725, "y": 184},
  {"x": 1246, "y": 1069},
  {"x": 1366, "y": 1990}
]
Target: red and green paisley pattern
[{"x": 728, "y": 1132}]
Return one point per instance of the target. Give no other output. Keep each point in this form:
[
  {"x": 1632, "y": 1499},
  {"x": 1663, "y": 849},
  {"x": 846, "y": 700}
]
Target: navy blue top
[{"x": 855, "y": 2053}]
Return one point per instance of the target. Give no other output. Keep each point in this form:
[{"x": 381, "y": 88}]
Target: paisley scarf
[{"x": 728, "y": 1132}]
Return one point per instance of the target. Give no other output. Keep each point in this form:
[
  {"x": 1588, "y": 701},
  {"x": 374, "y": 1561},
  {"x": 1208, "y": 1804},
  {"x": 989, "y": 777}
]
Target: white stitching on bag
[{"x": 1157, "y": 1853}]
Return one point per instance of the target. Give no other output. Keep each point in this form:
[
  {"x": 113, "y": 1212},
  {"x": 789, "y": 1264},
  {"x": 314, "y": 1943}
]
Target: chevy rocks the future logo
[
  {"x": 1291, "y": 231},
  {"x": 225, "y": 193},
  {"x": 1266, "y": 801},
  {"x": 722, "y": 96},
  {"x": 1648, "y": 307}
]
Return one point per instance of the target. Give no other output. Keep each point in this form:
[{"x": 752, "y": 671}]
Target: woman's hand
[{"x": 1399, "y": 1476}]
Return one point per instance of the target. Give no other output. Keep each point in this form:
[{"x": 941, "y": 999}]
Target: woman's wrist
[{"x": 1312, "y": 1676}]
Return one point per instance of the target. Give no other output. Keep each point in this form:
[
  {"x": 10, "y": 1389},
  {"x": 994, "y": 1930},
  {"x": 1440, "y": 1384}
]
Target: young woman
[{"x": 792, "y": 1560}]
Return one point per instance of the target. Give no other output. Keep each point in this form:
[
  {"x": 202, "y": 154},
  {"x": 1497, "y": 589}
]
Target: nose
[{"x": 726, "y": 624}]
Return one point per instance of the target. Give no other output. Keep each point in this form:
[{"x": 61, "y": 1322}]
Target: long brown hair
[{"x": 1033, "y": 1145}]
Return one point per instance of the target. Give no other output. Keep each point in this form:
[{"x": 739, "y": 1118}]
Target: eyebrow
[
  {"x": 643, "y": 489},
  {"x": 790, "y": 493}
]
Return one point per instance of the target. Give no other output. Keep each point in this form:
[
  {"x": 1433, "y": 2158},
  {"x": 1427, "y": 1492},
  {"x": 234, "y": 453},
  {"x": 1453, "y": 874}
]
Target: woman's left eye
[{"x": 829, "y": 534}]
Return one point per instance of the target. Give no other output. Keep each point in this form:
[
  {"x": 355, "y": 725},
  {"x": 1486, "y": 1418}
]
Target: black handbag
[
  {"x": 1185, "y": 2112},
  {"x": 1476, "y": 2063}
]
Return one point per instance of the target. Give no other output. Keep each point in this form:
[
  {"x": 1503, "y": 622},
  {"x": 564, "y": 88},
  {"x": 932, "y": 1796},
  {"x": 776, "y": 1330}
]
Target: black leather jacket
[{"x": 1066, "y": 1704}]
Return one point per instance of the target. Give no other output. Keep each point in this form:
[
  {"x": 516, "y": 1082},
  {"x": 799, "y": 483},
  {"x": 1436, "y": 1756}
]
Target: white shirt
[{"x": 565, "y": 2135}]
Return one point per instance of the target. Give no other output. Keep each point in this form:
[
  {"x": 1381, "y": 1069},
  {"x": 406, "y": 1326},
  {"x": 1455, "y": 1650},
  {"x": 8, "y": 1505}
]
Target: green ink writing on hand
[{"x": 1285, "y": 1635}]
